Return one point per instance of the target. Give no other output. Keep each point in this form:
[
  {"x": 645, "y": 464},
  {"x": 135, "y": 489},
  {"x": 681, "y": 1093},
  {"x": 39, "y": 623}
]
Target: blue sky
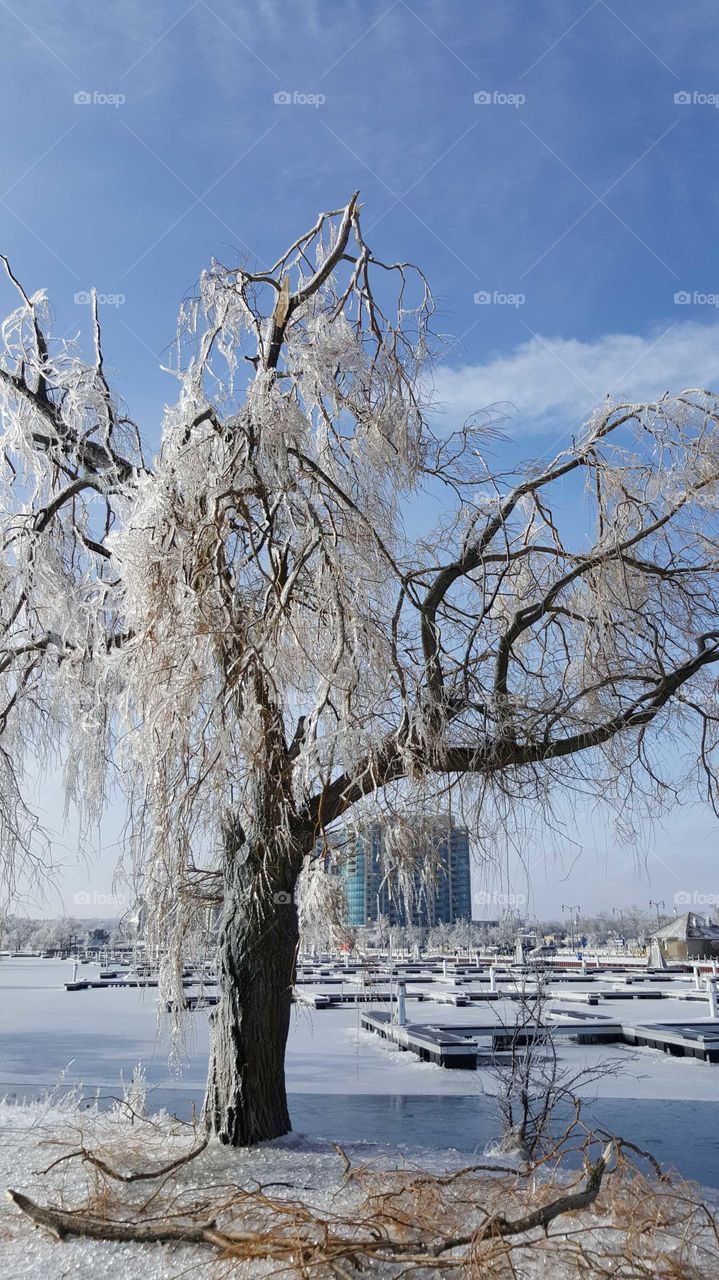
[{"x": 579, "y": 186}]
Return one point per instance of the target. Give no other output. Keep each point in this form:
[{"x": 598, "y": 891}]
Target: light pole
[
  {"x": 617, "y": 911},
  {"x": 570, "y": 909},
  {"x": 662, "y": 903}
]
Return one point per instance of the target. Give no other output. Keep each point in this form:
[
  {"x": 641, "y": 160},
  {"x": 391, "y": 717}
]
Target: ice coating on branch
[{"x": 243, "y": 633}]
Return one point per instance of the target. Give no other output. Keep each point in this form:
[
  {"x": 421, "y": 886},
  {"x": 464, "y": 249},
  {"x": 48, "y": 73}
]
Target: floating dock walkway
[{"x": 468, "y": 1048}]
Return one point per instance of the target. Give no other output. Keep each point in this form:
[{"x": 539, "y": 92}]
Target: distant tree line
[
  {"x": 630, "y": 926},
  {"x": 21, "y": 933}
]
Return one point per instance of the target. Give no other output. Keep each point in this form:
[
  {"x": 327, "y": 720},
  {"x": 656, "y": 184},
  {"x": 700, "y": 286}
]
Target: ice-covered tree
[{"x": 243, "y": 635}]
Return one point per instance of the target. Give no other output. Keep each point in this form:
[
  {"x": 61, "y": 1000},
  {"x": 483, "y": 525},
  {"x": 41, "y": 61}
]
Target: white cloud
[{"x": 553, "y": 383}]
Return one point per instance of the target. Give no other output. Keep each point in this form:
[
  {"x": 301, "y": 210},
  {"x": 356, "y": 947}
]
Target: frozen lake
[{"x": 343, "y": 1084}]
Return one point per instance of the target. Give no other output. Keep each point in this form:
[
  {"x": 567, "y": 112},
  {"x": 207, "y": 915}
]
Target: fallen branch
[
  {"x": 569, "y": 1203},
  {"x": 63, "y": 1222},
  {"x": 328, "y": 1248},
  {"x": 140, "y": 1176},
  {"x": 638, "y": 1151}
]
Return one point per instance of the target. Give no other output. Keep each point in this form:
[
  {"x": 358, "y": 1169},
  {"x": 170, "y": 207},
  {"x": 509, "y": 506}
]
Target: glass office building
[{"x": 370, "y": 891}]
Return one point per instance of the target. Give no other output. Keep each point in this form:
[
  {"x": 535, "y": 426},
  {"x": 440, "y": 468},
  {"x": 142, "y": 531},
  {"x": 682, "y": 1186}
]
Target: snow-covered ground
[
  {"x": 32, "y": 1137},
  {"x": 303, "y": 1194}
]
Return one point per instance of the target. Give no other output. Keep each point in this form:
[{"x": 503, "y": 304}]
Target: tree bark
[{"x": 246, "y": 1099}]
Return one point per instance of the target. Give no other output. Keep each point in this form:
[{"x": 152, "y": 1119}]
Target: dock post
[
  {"x": 713, "y": 1002},
  {"x": 492, "y": 978},
  {"x": 401, "y": 1003},
  {"x": 74, "y": 971},
  {"x": 697, "y": 977}
]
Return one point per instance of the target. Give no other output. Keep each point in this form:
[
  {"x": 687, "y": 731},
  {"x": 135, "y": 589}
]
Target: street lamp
[
  {"x": 617, "y": 911},
  {"x": 570, "y": 909},
  {"x": 662, "y": 903}
]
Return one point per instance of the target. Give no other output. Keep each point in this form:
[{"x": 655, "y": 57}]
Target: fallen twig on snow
[{"x": 140, "y": 1175}]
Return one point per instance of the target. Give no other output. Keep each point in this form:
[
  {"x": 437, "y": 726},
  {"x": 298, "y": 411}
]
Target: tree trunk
[{"x": 246, "y": 1100}]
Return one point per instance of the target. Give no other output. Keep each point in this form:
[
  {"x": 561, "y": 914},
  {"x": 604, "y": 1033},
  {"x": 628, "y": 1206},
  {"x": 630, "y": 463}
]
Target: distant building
[
  {"x": 689, "y": 937},
  {"x": 369, "y": 891}
]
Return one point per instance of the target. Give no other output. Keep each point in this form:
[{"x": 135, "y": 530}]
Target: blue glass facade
[{"x": 370, "y": 891}]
